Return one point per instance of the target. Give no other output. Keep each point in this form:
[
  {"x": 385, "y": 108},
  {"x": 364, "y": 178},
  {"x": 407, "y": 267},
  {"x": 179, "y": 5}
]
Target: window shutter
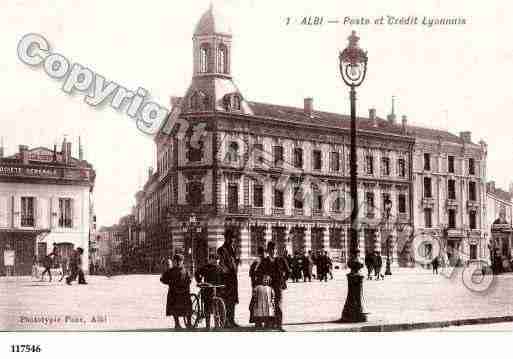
[
  {"x": 76, "y": 212},
  {"x": 4, "y": 211},
  {"x": 17, "y": 211}
]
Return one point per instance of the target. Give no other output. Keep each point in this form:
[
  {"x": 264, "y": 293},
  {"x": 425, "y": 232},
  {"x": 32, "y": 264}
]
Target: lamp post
[
  {"x": 353, "y": 68},
  {"x": 388, "y": 209},
  {"x": 192, "y": 227}
]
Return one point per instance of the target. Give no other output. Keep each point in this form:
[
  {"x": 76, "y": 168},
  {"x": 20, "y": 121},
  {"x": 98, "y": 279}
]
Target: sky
[{"x": 452, "y": 77}]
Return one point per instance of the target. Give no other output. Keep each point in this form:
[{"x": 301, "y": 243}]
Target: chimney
[
  {"x": 24, "y": 154},
  {"x": 54, "y": 152},
  {"x": 466, "y": 136},
  {"x": 404, "y": 122},
  {"x": 1, "y": 148},
  {"x": 391, "y": 117},
  {"x": 80, "y": 151},
  {"x": 150, "y": 172},
  {"x": 308, "y": 106},
  {"x": 372, "y": 117}
]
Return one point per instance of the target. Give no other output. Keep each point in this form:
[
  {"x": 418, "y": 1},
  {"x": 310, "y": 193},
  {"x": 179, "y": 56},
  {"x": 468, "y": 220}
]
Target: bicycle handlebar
[{"x": 208, "y": 285}]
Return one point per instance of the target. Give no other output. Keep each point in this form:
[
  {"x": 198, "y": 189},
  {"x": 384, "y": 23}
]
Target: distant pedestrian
[
  {"x": 322, "y": 267},
  {"x": 307, "y": 267},
  {"x": 369, "y": 264},
  {"x": 329, "y": 265},
  {"x": 263, "y": 309},
  {"x": 64, "y": 267},
  {"x": 435, "y": 263},
  {"x": 48, "y": 263},
  {"x": 255, "y": 275},
  {"x": 179, "y": 303},
  {"x": 296, "y": 267},
  {"x": 378, "y": 263},
  {"x": 75, "y": 266},
  {"x": 35, "y": 268}
]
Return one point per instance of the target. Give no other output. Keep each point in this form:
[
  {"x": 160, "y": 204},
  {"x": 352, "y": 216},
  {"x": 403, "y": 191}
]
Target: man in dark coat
[
  {"x": 48, "y": 263},
  {"x": 307, "y": 267},
  {"x": 75, "y": 265},
  {"x": 378, "y": 263},
  {"x": 369, "y": 263},
  {"x": 179, "y": 303},
  {"x": 279, "y": 271},
  {"x": 229, "y": 264},
  {"x": 435, "y": 263}
]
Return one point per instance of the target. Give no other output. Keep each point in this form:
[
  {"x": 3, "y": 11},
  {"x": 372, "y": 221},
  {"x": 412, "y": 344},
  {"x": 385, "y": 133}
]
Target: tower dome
[{"x": 212, "y": 22}]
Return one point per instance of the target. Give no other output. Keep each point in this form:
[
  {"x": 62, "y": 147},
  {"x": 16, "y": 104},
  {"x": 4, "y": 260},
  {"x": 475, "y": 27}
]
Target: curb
[{"x": 420, "y": 325}]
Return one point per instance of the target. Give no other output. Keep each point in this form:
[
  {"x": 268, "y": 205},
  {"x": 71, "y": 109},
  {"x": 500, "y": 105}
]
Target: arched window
[
  {"x": 203, "y": 58},
  {"x": 232, "y": 154},
  {"x": 195, "y": 101},
  {"x": 222, "y": 66}
]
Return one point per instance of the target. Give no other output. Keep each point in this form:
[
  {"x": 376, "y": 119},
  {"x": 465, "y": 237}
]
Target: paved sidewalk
[{"x": 138, "y": 302}]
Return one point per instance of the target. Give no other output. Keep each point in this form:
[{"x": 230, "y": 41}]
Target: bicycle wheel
[
  {"x": 219, "y": 310},
  {"x": 196, "y": 311}
]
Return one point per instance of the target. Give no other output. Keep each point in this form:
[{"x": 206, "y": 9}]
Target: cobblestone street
[{"x": 138, "y": 302}]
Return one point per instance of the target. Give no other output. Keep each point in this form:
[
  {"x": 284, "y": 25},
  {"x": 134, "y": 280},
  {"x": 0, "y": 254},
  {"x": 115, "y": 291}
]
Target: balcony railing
[
  {"x": 278, "y": 211},
  {"x": 298, "y": 211},
  {"x": 317, "y": 212}
]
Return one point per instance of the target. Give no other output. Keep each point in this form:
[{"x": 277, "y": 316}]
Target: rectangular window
[
  {"x": 427, "y": 187},
  {"x": 298, "y": 198},
  {"x": 65, "y": 216},
  {"x": 369, "y": 165},
  {"x": 334, "y": 162},
  {"x": 402, "y": 167},
  {"x": 369, "y": 200},
  {"x": 298, "y": 157},
  {"x": 258, "y": 195},
  {"x": 472, "y": 191},
  {"x": 428, "y": 221},
  {"x": 471, "y": 167},
  {"x": 473, "y": 251},
  {"x": 278, "y": 156},
  {"x": 451, "y": 214},
  {"x": 278, "y": 198},
  {"x": 427, "y": 162},
  {"x": 384, "y": 198},
  {"x": 402, "y": 203},
  {"x": 472, "y": 220},
  {"x": 385, "y": 166},
  {"x": 318, "y": 202},
  {"x": 233, "y": 197},
  {"x": 317, "y": 160},
  {"x": 337, "y": 203},
  {"x": 451, "y": 189},
  {"x": 450, "y": 164},
  {"x": 258, "y": 153},
  {"x": 27, "y": 211}
]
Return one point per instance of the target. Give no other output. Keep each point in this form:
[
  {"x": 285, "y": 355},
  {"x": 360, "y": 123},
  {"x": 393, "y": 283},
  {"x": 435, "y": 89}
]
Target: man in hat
[
  {"x": 277, "y": 268},
  {"x": 229, "y": 264},
  {"x": 76, "y": 267}
]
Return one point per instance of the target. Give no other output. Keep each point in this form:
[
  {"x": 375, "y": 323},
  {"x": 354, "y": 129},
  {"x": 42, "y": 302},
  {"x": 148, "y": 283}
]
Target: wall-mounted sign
[{"x": 28, "y": 171}]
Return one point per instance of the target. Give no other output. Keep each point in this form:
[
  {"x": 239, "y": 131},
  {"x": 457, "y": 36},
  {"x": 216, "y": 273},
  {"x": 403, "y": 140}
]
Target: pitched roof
[{"x": 212, "y": 22}]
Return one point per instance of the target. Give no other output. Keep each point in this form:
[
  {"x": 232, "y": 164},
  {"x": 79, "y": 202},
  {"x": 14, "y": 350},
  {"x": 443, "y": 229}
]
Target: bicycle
[{"x": 198, "y": 306}]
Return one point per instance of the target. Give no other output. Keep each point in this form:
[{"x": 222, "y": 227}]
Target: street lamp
[
  {"x": 353, "y": 68},
  {"x": 192, "y": 226},
  {"x": 388, "y": 209}
]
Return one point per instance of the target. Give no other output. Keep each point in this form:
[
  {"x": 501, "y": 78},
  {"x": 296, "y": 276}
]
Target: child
[
  {"x": 263, "y": 308},
  {"x": 179, "y": 302}
]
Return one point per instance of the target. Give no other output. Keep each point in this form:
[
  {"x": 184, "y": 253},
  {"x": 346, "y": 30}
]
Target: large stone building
[
  {"x": 259, "y": 172},
  {"x": 45, "y": 199},
  {"x": 449, "y": 194}
]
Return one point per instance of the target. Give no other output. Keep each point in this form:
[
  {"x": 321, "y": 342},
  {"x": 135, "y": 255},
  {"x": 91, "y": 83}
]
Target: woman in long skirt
[{"x": 179, "y": 302}]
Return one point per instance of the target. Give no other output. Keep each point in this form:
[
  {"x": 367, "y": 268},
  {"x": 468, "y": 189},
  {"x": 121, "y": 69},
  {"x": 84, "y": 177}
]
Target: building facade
[
  {"x": 256, "y": 172},
  {"x": 45, "y": 200},
  {"x": 450, "y": 195}
]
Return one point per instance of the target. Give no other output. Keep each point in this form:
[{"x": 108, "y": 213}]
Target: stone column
[
  {"x": 308, "y": 238},
  {"x": 288, "y": 239},
  {"x": 326, "y": 238},
  {"x": 377, "y": 241},
  {"x": 268, "y": 233},
  {"x": 394, "y": 248},
  {"x": 245, "y": 246}
]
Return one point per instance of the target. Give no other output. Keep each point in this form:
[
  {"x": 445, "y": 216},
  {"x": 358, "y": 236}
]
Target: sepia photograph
[{"x": 255, "y": 167}]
